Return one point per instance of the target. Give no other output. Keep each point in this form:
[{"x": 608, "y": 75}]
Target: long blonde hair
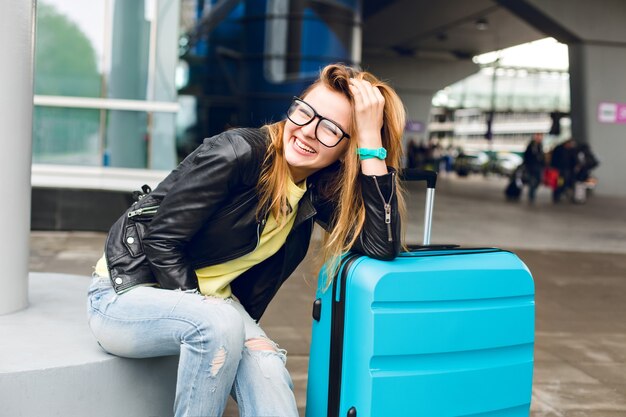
[{"x": 339, "y": 182}]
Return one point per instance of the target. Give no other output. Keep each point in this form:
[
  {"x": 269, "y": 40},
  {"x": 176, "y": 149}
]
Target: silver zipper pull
[
  {"x": 147, "y": 210},
  {"x": 387, "y": 213},
  {"x": 388, "y": 222},
  {"x": 134, "y": 213},
  {"x": 387, "y": 206}
]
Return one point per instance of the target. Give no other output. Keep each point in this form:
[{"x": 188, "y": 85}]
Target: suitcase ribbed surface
[{"x": 432, "y": 333}]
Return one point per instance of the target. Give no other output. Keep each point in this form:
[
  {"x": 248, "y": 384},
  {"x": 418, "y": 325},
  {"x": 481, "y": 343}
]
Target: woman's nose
[{"x": 309, "y": 129}]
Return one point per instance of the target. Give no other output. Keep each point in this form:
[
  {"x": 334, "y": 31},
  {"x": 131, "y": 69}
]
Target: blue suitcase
[{"x": 439, "y": 331}]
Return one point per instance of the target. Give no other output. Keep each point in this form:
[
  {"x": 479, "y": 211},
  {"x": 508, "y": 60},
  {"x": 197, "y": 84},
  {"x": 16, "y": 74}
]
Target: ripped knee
[
  {"x": 218, "y": 361},
  {"x": 263, "y": 349},
  {"x": 261, "y": 344}
]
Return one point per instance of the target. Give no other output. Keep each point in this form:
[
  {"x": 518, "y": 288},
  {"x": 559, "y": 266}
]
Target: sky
[
  {"x": 89, "y": 15},
  {"x": 545, "y": 53}
]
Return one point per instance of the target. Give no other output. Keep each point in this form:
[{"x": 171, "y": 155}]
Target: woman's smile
[{"x": 303, "y": 148}]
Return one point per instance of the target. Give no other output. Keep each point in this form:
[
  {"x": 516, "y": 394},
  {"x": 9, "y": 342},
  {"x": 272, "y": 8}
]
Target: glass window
[
  {"x": 302, "y": 36},
  {"x": 133, "y": 139},
  {"x": 104, "y": 49},
  {"x": 66, "y": 136},
  {"x": 69, "y": 48},
  {"x": 126, "y": 143}
]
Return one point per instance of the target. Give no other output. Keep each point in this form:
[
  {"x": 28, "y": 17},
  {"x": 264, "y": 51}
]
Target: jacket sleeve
[
  {"x": 380, "y": 236},
  {"x": 197, "y": 194}
]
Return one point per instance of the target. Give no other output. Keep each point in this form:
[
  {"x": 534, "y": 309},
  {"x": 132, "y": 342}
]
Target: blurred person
[
  {"x": 585, "y": 162},
  {"x": 190, "y": 268},
  {"x": 564, "y": 160},
  {"x": 433, "y": 155},
  {"x": 422, "y": 154},
  {"x": 439, "y": 154},
  {"x": 412, "y": 154},
  {"x": 447, "y": 159},
  {"x": 534, "y": 162}
]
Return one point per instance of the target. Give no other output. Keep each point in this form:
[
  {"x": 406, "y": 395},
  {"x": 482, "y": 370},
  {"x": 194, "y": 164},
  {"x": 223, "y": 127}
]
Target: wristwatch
[{"x": 365, "y": 153}]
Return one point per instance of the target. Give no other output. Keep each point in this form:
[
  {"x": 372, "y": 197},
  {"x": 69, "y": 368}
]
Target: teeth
[{"x": 304, "y": 147}]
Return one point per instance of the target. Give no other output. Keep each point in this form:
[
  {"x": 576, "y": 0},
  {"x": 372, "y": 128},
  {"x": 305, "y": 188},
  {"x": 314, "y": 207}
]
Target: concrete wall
[
  {"x": 599, "y": 76},
  {"x": 417, "y": 80}
]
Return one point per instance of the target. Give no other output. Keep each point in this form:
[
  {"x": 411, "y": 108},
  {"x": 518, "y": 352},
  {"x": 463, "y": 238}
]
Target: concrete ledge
[{"x": 51, "y": 365}]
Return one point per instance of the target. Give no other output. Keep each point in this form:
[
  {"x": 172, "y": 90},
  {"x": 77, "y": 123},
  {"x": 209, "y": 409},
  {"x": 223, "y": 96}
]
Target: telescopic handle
[{"x": 430, "y": 177}]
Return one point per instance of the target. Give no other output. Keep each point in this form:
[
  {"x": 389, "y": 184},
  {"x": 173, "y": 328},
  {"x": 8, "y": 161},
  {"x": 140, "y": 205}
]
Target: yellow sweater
[{"x": 215, "y": 279}]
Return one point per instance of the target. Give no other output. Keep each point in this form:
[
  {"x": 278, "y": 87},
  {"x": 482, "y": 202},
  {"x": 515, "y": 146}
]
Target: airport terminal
[{"x": 105, "y": 96}]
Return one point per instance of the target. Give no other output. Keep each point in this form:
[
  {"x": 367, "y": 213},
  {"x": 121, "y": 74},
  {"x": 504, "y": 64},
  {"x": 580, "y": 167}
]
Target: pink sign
[
  {"x": 621, "y": 113},
  {"x": 612, "y": 112}
]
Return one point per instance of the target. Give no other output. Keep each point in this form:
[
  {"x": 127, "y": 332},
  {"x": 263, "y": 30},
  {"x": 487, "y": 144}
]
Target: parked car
[
  {"x": 506, "y": 163},
  {"x": 470, "y": 163}
]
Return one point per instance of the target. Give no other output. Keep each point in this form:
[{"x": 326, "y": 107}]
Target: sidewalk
[{"x": 575, "y": 252}]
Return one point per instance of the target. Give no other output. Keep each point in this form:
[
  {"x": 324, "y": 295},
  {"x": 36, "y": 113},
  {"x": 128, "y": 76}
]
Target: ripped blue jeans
[{"x": 223, "y": 351}]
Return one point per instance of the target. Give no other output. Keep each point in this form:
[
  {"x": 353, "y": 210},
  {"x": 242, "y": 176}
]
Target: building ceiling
[{"x": 443, "y": 29}]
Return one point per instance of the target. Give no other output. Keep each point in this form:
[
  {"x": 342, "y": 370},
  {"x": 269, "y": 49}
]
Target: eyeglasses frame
[{"x": 319, "y": 120}]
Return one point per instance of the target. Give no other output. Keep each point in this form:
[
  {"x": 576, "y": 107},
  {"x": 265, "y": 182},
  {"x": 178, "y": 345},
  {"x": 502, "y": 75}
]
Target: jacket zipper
[
  {"x": 143, "y": 210},
  {"x": 258, "y": 233},
  {"x": 387, "y": 204}
]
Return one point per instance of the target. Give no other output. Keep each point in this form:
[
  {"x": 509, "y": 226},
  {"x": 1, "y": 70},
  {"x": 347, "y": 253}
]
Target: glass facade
[
  {"x": 516, "y": 89},
  {"x": 104, "y": 83},
  {"x": 66, "y": 136}
]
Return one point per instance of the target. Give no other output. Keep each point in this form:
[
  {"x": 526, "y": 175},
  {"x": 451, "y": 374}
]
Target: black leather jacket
[{"x": 204, "y": 213}]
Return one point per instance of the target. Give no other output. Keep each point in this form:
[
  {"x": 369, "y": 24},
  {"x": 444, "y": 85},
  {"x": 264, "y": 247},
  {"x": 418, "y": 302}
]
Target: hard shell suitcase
[
  {"x": 513, "y": 191},
  {"x": 439, "y": 331}
]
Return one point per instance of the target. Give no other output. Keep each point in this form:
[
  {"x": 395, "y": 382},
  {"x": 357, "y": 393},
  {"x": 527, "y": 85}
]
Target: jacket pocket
[{"x": 133, "y": 233}]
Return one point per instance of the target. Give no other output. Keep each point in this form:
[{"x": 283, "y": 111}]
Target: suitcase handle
[{"x": 412, "y": 174}]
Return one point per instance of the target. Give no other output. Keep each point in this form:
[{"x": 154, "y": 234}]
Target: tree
[
  {"x": 65, "y": 65},
  {"x": 65, "y": 60}
]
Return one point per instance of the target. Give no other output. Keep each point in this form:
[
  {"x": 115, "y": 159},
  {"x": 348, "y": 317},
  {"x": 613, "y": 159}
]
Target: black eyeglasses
[{"x": 327, "y": 132}]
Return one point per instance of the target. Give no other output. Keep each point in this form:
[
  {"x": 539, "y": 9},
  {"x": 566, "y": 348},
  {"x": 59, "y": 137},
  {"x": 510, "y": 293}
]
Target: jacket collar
[{"x": 306, "y": 209}]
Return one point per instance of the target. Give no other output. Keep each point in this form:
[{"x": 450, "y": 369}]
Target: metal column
[{"x": 17, "y": 30}]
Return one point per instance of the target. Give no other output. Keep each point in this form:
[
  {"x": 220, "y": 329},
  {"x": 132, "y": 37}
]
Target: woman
[{"x": 191, "y": 266}]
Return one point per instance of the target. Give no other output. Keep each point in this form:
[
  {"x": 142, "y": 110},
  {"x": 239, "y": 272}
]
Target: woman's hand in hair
[{"x": 369, "y": 105}]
